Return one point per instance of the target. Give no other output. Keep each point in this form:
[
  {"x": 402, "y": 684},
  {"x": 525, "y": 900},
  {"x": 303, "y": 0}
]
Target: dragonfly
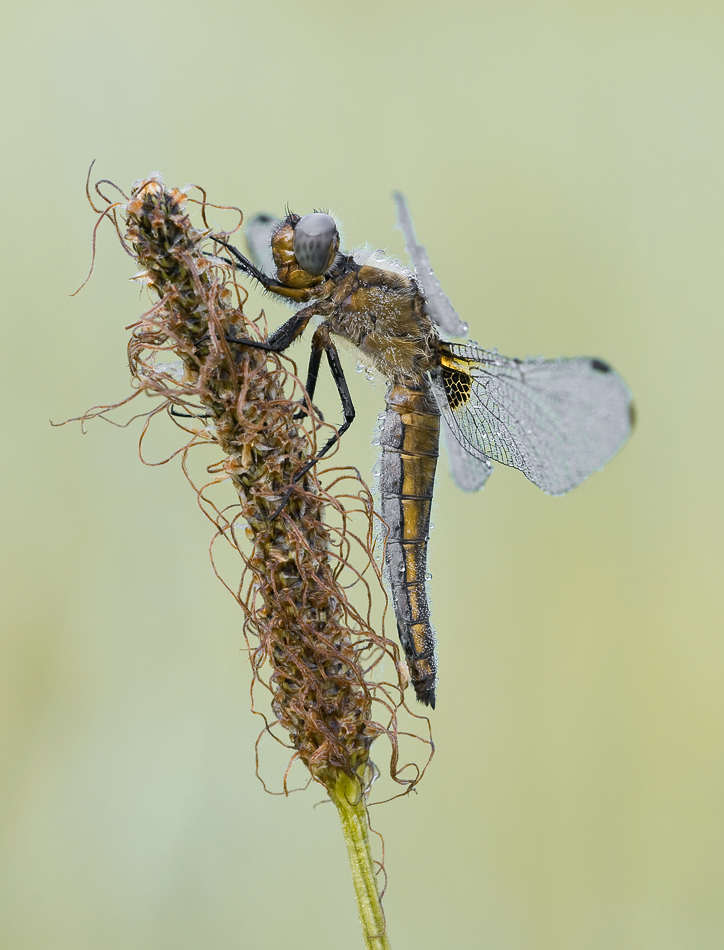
[{"x": 555, "y": 420}]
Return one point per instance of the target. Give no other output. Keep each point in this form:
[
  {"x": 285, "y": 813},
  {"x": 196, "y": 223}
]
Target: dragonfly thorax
[{"x": 382, "y": 313}]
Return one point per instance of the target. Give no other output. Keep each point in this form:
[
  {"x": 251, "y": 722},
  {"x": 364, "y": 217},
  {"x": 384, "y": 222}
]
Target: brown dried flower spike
[
  {"x": 320, "y": 694},
  {"x": 299, "y": 621}
]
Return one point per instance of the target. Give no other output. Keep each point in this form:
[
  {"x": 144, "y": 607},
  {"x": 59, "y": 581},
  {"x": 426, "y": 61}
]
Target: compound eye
[{"x": 313, "y": 239}]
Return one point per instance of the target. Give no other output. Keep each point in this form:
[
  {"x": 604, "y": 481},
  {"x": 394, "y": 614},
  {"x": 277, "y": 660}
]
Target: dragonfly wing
[
  {"x": 469, "y": 471},
  {"x": 258, "y": 238},
  {"x": 439, "y": 308},
  {"x": 557, "y": 421}
]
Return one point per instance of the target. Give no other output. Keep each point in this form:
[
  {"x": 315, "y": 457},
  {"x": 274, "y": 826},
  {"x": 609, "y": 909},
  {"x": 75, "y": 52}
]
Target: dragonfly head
[{"x": 304, "y": 248}]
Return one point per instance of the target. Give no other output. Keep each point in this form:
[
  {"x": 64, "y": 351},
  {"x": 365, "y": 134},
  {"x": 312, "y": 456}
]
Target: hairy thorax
[{"x": 381, "y": 312}]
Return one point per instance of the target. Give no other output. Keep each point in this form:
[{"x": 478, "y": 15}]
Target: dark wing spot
[
  {"x": 632, "y": 414},
  {"x": 458, "y": 387},
  {"x": 600, "y": 366}
]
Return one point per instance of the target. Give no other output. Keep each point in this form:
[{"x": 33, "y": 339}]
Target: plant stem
[{"x": 347, "y": 796}]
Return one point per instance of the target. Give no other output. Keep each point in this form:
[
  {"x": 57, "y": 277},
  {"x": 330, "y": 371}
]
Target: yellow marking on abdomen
[{"x": 410, "y": 438}]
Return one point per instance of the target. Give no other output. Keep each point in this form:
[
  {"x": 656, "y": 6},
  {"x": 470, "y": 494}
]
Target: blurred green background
[{"x": 564, "y": 166}]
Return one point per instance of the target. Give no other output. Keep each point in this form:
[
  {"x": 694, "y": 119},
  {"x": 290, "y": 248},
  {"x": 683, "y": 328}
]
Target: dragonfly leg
[
  {"x": 321, "y": 343},
  {"x": 244, "y": 264},
  {"x": 189, "y": 415},
  {"x": 283, "y": 337},
  {"x": 315, "y": 360},
  {"x": 300, "y": 294}
]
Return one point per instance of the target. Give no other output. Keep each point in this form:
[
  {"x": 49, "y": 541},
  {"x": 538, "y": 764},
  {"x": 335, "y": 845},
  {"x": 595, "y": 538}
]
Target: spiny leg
[
  {"x": 321, "y": 343},
  {"x": 189, "y": 415},
  {"x": 300, "y": 294},
  {"x": 315, "y": 360},
  {"x": 244, "y": 264},
  {"x": 284, "y": 337}
]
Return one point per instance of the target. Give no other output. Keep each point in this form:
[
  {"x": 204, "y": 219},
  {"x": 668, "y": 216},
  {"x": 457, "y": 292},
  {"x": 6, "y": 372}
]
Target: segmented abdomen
[{"x": 410, "y": 438}]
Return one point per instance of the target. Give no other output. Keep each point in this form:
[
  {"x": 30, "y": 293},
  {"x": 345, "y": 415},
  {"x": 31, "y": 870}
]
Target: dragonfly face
[
  {"x": 315, "y": 243},
  {"x": 557, "y": 421},
  {"x": 303, "y": 249}
]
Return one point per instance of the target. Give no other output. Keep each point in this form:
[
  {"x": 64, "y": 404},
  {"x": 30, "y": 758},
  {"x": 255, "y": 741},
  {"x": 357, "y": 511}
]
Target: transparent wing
[
  {"x": 258, "y": 238},
  {"x": 557, "y": 421},
  {"x": 440, "y": 309},
  {"x": 468, "y": 471}
]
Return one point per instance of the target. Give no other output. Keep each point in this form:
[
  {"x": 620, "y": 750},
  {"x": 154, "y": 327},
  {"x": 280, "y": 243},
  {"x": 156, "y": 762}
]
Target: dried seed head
[{"x": 310, "y": 645}]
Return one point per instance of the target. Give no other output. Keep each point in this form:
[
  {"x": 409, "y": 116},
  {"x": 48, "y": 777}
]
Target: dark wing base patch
[
  {"x": 557, "y": 421},
  {"x": 458, "y": 387}
]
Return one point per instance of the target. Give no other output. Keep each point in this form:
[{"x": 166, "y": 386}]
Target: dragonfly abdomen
[{"x": 410, "y": 439}]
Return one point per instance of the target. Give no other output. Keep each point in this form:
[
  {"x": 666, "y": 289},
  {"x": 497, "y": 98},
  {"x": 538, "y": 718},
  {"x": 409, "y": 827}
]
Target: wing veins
[{"x": 557, "y": 421}]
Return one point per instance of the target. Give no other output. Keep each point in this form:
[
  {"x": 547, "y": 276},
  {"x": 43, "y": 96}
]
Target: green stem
[{"x": 347, "y": 796}]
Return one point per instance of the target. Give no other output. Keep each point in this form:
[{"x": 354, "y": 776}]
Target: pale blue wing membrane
[
  {"x": 258, "y": 239},
  {"x": 439, "y": 308},
  {"x": 557, "y": 421},
  {"x": 468, "y": 471}
]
